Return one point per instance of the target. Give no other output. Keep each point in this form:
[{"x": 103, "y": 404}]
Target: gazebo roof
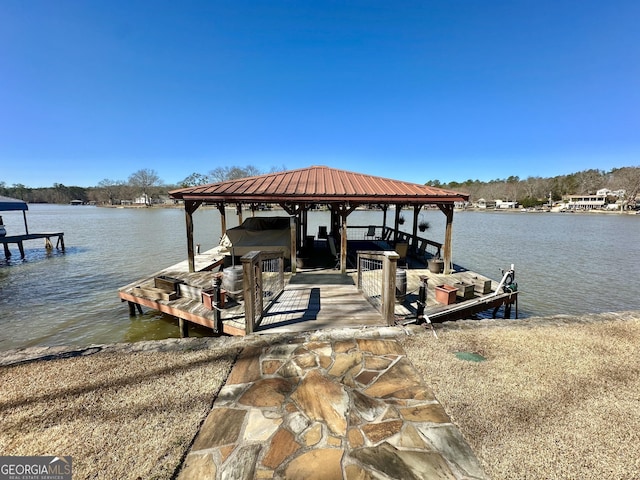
[
  {"x": 318, "y": 184},
  {"x": 8, "y": 203}
]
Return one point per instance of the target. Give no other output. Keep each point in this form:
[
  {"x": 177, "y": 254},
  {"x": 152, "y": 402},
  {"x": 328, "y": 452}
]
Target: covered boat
[{"x": 270, "y": 234}]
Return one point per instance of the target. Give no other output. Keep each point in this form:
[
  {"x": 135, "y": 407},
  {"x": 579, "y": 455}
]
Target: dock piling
[{"x": 184, "y": 328}]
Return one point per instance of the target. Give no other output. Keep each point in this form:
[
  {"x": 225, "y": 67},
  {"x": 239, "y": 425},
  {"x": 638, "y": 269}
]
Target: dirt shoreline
[{"x": 557, "y": 397}]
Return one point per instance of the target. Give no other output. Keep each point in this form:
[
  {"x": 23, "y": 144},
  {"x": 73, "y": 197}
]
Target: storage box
[
  {"x": 485, "y": 286},
  {"x": 153, "y": 293},
  {"x": 167, "y": 283},
  {"x": 189, "y": 291},
  {"x": 465, "y": 290},
  {"x": 446, "y": 294}
]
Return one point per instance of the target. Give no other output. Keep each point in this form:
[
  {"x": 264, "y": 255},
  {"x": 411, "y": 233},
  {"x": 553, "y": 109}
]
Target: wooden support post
[
  {"x": 189, "y": 208},
  {"x": 184, "y": 328},
  {"x": 223, "y": 218},
  {"x": 294, "y": 245},
  {"x": 47, "y": 244},
  {"x": 384, "y": 218},
  {"x": 343, "y": 243},
  {"x": 217, "y": 314},
  {"x": 448, "y": 211},
  {"x": 132, "y": 308},
  {"x": 303, "y": 232},
  {"x": 21, "y": 248},
  {"x": 396, "y": 226},
  {"x": 414, "y": 238},
  {"x": 422, "y": 300},
  {"x": 239, "y": 213},
  {"x": 7, "y": 252},
  {"x": 252, "y": 289}
]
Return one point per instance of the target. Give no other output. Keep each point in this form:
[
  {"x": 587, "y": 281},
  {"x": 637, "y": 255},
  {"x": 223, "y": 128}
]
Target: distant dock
[
  {"x": 15, "y": 204},
  {"x": 20, "y": 239}
]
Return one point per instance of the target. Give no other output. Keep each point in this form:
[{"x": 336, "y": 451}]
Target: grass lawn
[
  {"x": 119, "y": 415},
  {"x": 549, "y": 401}
]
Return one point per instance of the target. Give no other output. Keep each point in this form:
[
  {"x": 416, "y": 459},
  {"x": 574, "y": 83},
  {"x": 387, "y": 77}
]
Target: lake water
[{"x": 565, "y": 263}]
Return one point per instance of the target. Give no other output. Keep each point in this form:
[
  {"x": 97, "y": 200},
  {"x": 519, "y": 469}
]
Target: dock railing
[
  {"x": 421, "y": 247},
  {"x": 263, "y": 281},
  {"x": 377, "y": 280}
]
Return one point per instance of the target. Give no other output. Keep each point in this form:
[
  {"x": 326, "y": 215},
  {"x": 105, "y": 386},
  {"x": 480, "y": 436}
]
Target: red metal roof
[{"x": 318, "y": 184}]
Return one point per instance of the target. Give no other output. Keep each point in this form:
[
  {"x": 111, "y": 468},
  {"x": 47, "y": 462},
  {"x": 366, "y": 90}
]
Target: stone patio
[{"x": 345, "y": 404}]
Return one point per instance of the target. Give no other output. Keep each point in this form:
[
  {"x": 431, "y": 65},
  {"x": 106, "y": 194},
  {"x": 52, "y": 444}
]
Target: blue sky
[{"x": 447, "y": 90}]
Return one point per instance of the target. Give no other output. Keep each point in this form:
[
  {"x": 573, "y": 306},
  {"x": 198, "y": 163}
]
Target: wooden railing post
[
  {"x": 249, "y": 287},
  {"x": 389, "y": 266},
  {"x": 281, "y": 270}
]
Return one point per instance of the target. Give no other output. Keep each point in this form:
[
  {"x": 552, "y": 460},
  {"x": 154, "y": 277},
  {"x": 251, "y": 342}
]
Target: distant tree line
[
  {"x": 144, "y": 182},
  {"x": 528, "y": 192},
  {"x": 534, "y": 191}
]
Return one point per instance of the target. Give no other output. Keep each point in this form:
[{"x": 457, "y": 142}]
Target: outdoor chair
[
  {"x": 402, "y": 248},
  {"x": 371, "y": 233}
]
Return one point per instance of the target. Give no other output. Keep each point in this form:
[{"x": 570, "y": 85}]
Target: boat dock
[
  {"x": 311, "y": 299},
  {"x": 20, "y": 239},
  {"x": 15, "y": 204},
  {"x": 344, "y": 275}
]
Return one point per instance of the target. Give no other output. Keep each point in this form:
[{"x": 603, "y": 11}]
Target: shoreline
[{"x": 19, "y": 356}]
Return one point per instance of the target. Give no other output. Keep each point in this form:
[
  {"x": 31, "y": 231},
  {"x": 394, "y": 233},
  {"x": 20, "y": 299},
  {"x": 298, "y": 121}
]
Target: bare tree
[
  {"x": 222, "y": 174},
  {"x": 628, "y": 178},
  {"x": 110, "y": 190},
  {"x": 144, "y": 179}
]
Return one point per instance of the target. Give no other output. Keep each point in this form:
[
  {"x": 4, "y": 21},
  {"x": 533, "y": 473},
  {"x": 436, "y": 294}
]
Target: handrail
[{"x": 388, "y": 234}]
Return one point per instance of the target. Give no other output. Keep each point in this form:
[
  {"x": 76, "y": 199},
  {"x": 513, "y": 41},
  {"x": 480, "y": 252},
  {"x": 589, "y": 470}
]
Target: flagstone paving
[{"x": 328, "y": 407}]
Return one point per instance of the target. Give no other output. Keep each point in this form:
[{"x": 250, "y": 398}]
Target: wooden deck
[
  {"x": 312, "y": 299},
  {"x": 479, "y": 301}
]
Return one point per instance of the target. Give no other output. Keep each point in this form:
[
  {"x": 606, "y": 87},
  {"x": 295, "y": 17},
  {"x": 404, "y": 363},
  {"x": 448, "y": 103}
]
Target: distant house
[
  {"x": 76, "y": 202},
  {"x": 164, "y": 200},
  {"x": 605, "y": 192},
  {"x": 500, "y": 205},
  {"x": 586, "y": 202},
  {"x": 483, "y": 204},
  {"x": 143, "y": 199}
]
